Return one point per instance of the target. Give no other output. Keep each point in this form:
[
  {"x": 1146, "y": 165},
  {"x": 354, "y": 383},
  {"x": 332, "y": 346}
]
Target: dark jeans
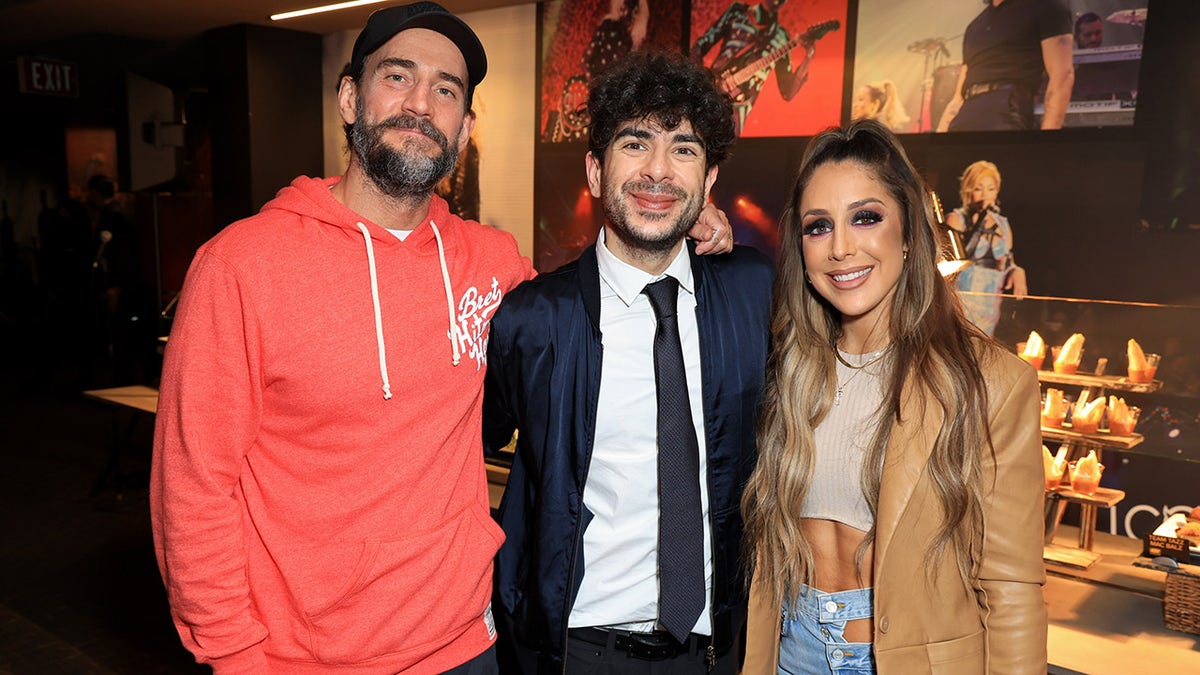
[
  {"x": 1010, "y": 108},
  {"x": 484, "y": 664}
]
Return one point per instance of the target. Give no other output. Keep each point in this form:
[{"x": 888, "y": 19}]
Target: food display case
[{"x": 1151, "y": 467}]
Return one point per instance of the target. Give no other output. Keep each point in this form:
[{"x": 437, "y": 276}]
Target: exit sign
[{"x": 48, "y": 77}]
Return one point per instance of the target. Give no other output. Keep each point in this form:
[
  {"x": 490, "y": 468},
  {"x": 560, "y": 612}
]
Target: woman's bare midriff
[{"x": 834, "y": 546}]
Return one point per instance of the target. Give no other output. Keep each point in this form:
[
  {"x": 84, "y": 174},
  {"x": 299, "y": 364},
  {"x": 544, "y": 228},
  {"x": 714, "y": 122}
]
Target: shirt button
[
  {"x": 837, "y": 655},
  {"x": 831, "y": 607},
  {"x": 883, "y": 624}
]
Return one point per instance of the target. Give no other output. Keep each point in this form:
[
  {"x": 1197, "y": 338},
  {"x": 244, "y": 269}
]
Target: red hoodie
[{"x": 318, "y": 494}]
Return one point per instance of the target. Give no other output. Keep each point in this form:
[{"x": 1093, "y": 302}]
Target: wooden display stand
[
  {"x": 1056, "y": 504},
  {"x": 1077, "y": 444}
]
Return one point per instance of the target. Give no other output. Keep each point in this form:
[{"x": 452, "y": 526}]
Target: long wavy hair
[{"x": 934, "y": 354}]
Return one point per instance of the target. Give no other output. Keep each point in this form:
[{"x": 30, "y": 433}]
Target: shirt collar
[{"x": 628, "y": 281}]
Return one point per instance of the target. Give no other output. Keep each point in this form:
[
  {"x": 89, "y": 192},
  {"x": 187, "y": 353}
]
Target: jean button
[
  {"x": 837, "y": 655},
  {"x": 831, "y": 607}
]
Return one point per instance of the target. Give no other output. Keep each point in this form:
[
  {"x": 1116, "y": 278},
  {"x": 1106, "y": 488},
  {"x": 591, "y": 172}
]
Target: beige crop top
[{"x": 842, "y": 439}]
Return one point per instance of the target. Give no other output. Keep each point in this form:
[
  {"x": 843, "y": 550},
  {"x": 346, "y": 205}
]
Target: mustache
[
  {"x": 655, "y": 188},
  {"x": 413, "y": 122}
]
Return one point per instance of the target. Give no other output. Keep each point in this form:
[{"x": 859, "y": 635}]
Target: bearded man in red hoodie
[{"x": 318, "y": 495}]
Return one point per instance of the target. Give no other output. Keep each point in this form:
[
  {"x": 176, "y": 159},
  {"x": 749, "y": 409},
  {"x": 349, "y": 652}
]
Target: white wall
[{"x": 504, "y": 103}]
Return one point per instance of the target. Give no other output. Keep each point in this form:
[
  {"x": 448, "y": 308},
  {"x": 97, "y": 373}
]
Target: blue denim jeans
[{"x": 812, "y": 634}]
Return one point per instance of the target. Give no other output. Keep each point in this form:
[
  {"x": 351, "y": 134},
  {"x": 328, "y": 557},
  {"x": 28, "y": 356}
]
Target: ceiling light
[{"x": 323, "y": 8}]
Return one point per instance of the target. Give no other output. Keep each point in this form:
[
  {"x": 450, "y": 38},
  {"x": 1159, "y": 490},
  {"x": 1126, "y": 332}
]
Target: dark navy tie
[{"x": 680, "y": 530}]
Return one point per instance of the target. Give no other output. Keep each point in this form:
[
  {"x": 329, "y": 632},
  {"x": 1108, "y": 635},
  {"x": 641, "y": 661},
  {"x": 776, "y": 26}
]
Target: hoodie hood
[{"x": 313, "y": 198}]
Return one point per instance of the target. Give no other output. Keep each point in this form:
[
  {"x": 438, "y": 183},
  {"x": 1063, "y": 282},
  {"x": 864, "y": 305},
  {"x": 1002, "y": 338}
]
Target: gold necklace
[{"x": 837, "y": 397}]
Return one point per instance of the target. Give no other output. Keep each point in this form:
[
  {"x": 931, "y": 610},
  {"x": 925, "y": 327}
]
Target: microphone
[
  {"x": 977, "y": 212},
  {"x": 927, "y": 46},
  {"x": 105, "y": 237}
]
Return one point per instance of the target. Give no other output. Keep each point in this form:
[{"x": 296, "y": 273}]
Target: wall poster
[
  {"x": 908, "y": 56},
  {"x": 782, "y": 61},
  {"x": 580, "y": 38}
]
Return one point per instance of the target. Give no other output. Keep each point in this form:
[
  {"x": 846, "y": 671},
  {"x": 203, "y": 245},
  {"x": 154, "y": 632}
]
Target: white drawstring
[
  {"x": 449, "y": 294},
  {"x": 387, "y": 387}
]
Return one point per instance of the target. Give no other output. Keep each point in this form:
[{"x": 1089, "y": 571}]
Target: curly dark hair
[{"x": 664, "y": 87}]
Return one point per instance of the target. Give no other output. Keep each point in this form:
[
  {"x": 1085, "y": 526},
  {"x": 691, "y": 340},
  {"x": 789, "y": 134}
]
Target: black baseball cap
[{"x": 386, "y": 22}]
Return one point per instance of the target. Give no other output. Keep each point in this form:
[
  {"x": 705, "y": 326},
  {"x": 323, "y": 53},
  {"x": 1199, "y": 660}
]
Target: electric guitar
[{"x": 734, "y": 78}]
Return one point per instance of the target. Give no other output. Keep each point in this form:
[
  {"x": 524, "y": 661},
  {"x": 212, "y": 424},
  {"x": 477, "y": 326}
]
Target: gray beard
[
  {"x": 617, "y": 211},
  {"x": 396, "y": 173}
]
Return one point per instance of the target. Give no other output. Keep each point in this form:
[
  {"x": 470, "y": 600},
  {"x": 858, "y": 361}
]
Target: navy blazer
[{"x": 543, "y": 379}]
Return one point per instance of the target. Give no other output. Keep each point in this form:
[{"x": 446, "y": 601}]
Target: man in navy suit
[{"x": 572, "y": 364}]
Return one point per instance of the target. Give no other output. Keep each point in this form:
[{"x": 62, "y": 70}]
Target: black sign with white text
[{"x": 48, "y": 77}]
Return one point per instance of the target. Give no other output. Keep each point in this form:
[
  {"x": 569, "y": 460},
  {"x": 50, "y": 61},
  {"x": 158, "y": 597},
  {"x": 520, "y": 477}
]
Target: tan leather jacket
[{"x": 924, "y": 626}]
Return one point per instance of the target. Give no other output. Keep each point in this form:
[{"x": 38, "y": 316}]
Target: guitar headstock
[{"x": 818, "y": 31}]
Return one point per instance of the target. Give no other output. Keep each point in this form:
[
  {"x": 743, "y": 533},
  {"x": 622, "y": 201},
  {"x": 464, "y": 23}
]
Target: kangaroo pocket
[{"x": 410, "y": 595}]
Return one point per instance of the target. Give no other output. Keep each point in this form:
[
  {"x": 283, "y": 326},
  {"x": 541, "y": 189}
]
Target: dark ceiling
[{"x": 35, "y": 22}]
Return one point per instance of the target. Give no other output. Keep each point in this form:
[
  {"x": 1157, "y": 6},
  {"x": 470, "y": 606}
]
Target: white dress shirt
[{"x": 620, "y": 545}]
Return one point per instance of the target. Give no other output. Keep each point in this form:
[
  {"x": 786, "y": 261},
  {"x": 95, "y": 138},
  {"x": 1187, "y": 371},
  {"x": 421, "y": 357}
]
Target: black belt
[
  {"x": 654, "y": 646},
  {"x": 985, "y": 88}
]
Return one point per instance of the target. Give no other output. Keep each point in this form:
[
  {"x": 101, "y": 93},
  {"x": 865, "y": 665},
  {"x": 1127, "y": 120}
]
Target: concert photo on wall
[
  {"x": 783, "y": 61},
  {"x": 580, "y": 38},
  {"x": 931, "y": 66}
]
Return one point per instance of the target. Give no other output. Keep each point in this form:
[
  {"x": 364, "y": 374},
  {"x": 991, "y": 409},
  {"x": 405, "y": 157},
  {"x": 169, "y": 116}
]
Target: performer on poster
[
  {"x": 1005, "y": 50},
  {"x": 880, "y": 101},
  {"x": 752, "y": 45},
  {"x": 460, "y": 188},
  {"x": 620, "y": 31},
  {"x": 988, "y": 240}
]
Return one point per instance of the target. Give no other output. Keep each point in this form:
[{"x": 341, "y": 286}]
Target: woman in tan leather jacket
[{"x": 895, "y": 516}]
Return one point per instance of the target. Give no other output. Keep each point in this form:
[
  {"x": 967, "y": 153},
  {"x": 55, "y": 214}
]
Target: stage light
[
  {"x": 758, "y": 219},
  {"x": 583, "y": 207}
]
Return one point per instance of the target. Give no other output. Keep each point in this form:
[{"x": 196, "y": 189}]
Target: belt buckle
[
  {"x": 638, "y": 646},
  {"x": 980, "y": 89}
]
